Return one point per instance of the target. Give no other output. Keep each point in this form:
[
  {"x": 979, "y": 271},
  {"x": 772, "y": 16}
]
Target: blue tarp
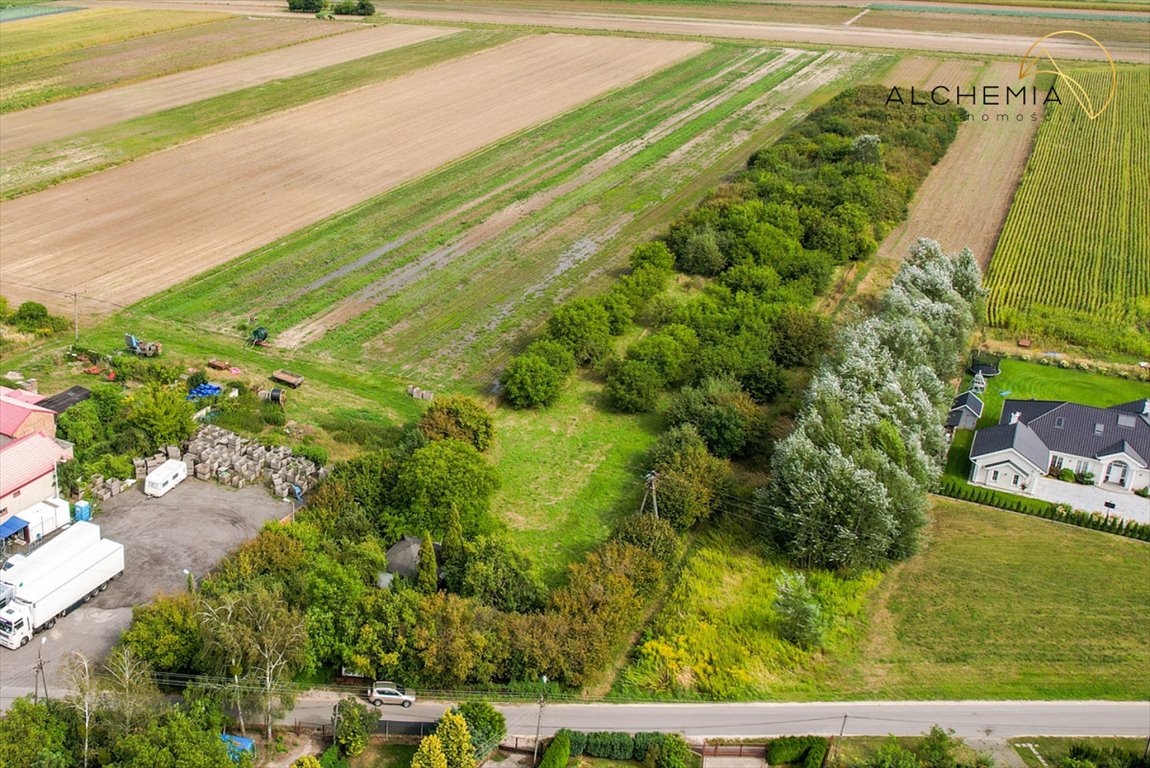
[
  {"x": 12, "y": 525},
  {"x": 237, "y": 745}
]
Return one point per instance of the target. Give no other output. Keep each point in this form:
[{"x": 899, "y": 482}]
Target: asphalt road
[{"x": 984, "y": 719}]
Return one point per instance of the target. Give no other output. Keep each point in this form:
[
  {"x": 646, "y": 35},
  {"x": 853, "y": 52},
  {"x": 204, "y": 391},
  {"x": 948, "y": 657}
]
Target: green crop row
[{"x": 1072, "y": 259}]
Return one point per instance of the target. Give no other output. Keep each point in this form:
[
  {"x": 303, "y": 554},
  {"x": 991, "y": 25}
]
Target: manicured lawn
[
  {"x": 1003, "y": 606},
  {"x": 1054, "y": 749},
  {"x": 389, "y": 755},
  {"x": 1025, "y": 380},
  {"x": 569, "y": 472}
]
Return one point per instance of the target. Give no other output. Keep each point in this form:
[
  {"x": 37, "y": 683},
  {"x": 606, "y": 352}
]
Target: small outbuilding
[
  {"x": 403, "y": 560},
  {"x": 965, "y": 411}
]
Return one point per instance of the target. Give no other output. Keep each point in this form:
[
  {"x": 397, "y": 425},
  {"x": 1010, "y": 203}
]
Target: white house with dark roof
[{"x": 1037, "y": 437}]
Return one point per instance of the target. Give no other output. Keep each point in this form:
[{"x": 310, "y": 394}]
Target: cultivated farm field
[
  {"x": 49, "y": 122},
  {"x": 1072, "y": 260},
  {"x": 49, "y": 76},
  {"x": 147, "y": 225}
]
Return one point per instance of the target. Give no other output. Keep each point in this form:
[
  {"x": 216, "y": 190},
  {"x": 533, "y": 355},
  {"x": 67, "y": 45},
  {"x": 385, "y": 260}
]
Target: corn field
[{"x": 1073, "y": 260}]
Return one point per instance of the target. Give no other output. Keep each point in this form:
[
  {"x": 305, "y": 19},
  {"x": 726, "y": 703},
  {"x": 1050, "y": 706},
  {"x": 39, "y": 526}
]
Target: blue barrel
[{"x": 83, "y": 511}]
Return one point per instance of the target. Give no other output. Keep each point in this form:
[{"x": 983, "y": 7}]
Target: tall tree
[
  {"x": 427, "y": 579},
  {"x": 430, "y": 754},
  {"x": 454, "y": 555},
  {"x": 79, "y": 675},
  {"x": 452, "y": 732},
  {"x": 132, "y": 695},
  {"x": 274, "y": 636}
]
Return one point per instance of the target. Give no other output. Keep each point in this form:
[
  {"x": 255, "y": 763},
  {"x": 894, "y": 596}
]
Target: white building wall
[{"x": 32, "y": 493}]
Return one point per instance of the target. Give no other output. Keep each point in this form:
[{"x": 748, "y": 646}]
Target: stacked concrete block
[
  {"x": 216, "y": 453},
  {"x": 420, "y": 394}
]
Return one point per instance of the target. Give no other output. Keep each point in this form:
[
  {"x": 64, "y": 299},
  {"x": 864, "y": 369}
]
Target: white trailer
[
  {"x": 22, "y": 569},
  {"x": 47, "y": 595},
  {"x": 45, "y": 517},
  {"x": 165, "y": 477}
]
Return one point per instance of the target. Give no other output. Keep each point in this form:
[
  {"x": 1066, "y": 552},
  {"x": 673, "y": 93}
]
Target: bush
[
  {"x": 364, "y": 8},
  {"x": 671, "y": 752},
  {"x": 633, "y": 387},
  {"x": 313, "y": 453},
  {"x": 655, "y": 535},
  {"x": 558, "y": 752},
  {"x": 305, "y": 6},
  {"x": 576, "y": 739},
  {"x": 644, "y": 742},
  {"x": 196, "y": 379},
  {"x": 794, "y": 749},
  {"x": 460, "y": 418},
  {"x": 332, "y": 759},
  {"x": 485, "y": 724},
  {"x": 801, "y": 617},
  {"x": 529, "y": 380},
  {"x": 354, "y": 726},
  {"x": 612, "y": 745},
  {"x": 584, "y": 327}
]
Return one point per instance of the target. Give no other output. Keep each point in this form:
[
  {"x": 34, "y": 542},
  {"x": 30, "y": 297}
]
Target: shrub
[
  {"x": 655, "y": 535},
  {"x": 800, "y": 616},
  {"x": 355, "y": 721},
  {"x": 529, "y": 380},
  {"x": 485, "y": 724},
  {"x": 612, "y": 745},
  {"x": 576, "y": 739},
  {"x": 794, "y": 749},
  {"x": 305, "y": 6},
  {"x": 314, "y": 453},
  {"x": 633, "y": 386},
  {"x": 558, "y": 752},
  {"x": 556, "y": 355},
  {"x": 644, "y": 742},
  {"x": 196, "y": 379},
  {"x": 671, "y": 752},
  {"x": 461, "y": 418},
  {"x": 584, "y": 327},
  {"x": 364, "y": 8},
  {"x": 331, "y": 758}
]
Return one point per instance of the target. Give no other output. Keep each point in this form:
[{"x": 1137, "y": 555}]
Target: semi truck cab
[{"x": 15, "y": 625}]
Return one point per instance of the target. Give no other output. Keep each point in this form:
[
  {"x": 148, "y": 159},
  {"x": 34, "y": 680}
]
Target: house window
[
  {"x": 994, "y": 476},
  {"x": 1057, "y": 462},
  {"x": 1059, "y": 423},
  {"x": 1015, "y": 480},
  {"x": 1098, "y": 429},
  {"x": 1080, "y": 467},
  {"x": 1126, "y": 420}
]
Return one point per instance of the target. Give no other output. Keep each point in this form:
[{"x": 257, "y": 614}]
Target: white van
[{"x": 165, "y": 477}]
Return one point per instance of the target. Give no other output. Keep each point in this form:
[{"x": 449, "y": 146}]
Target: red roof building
[
  {"x": 27, "y": 472},
  {"x": 19, "y": 418}
]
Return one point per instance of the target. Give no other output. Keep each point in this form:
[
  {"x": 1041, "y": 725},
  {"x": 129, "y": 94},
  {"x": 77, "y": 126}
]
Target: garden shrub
[
  {"x": 576, "y": 739},
  {"x": 314, "y": 453},
  {"x": 644, "y": 741},
  {"x": 558, "y": 752},
  {"x": 794, "y": 749},
  {"x": 613, "y": 745}
]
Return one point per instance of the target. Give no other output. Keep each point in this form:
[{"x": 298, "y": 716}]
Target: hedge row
[
  {"x": 793, "y": 750},
  {"x": 613, "y": 745},
  {"x": 558, "y": 752},
  {"x": 1044, "y": 509}
]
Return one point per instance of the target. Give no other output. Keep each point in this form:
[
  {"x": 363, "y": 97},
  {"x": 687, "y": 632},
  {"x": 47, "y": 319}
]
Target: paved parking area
[
  {"x": 190, "y": 527},
  {"x": 1091, "y": 498}
]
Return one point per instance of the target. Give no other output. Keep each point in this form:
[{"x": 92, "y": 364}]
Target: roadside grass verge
[
  {"x": 1055, "y": 749},
  {"x": 86, "y": 28},
  {"x": 86, "y": 153},
  {"x": 568, "y": 473}
]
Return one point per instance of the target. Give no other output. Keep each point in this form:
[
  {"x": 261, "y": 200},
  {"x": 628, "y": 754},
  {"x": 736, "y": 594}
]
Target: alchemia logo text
[{"x": 1091, "y": 88}]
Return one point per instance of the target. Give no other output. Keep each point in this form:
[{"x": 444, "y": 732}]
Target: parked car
[{"x": 385, "y": 692}]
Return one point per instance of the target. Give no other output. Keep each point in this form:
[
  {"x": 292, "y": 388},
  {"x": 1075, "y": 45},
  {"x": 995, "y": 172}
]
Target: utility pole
[
  {"x": 651, "y": 482},
  {"x": 539, "y": 721},
  {"x": 75, "y": 296},
  {"x": 842, "y": 730},
  {"x": 40, "y": 673}
]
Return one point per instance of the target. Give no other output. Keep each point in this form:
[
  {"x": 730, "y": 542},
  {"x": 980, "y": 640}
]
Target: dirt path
[
  {"x": 29, "y": 127},
  {"x": 131, "y": 231},
  {"x": 835, "y": 35},
  {"x": 964, "y": 200}
]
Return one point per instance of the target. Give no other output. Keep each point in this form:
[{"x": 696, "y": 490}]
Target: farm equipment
[
  {"x": 259, "y": 337},
  {"x": 293, "y": 380},
  {"x": 142, "y": 348}
]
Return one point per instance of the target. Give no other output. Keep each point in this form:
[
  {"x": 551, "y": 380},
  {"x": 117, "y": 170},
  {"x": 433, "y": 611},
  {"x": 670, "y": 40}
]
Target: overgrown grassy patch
[
  {"x": 718, "y": 637},
  {"x": 1054, "y": 749},
  {"x": 384, "y": 755},
  {"x": 568, "y": 474}
]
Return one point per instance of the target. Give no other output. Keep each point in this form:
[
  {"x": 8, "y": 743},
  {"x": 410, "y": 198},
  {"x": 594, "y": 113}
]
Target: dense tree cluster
[{"x": 848, "y": 486}]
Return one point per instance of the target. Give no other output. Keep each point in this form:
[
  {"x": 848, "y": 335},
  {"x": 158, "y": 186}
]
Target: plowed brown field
[
  {"x": 38, "y": 125},
  {"x": 129, "y": 232}
]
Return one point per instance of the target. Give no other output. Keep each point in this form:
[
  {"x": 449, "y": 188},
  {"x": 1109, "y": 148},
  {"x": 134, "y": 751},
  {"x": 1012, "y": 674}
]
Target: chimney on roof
[
  {"x": 1146, "y": 407},
  {"x": 1014, "y": 417}
]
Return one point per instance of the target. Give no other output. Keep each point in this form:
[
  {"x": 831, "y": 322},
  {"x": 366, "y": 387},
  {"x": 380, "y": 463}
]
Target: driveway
[
  {"x": 1091, "y": 498},
  {"x": 191, "y": 527}
]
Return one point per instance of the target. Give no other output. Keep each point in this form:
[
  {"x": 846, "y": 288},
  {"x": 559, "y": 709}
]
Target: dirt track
[
  {"x": 131, "y": 231},
  {"x": 998, "y": 45},
  {"x": 29, "y": 127}
]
